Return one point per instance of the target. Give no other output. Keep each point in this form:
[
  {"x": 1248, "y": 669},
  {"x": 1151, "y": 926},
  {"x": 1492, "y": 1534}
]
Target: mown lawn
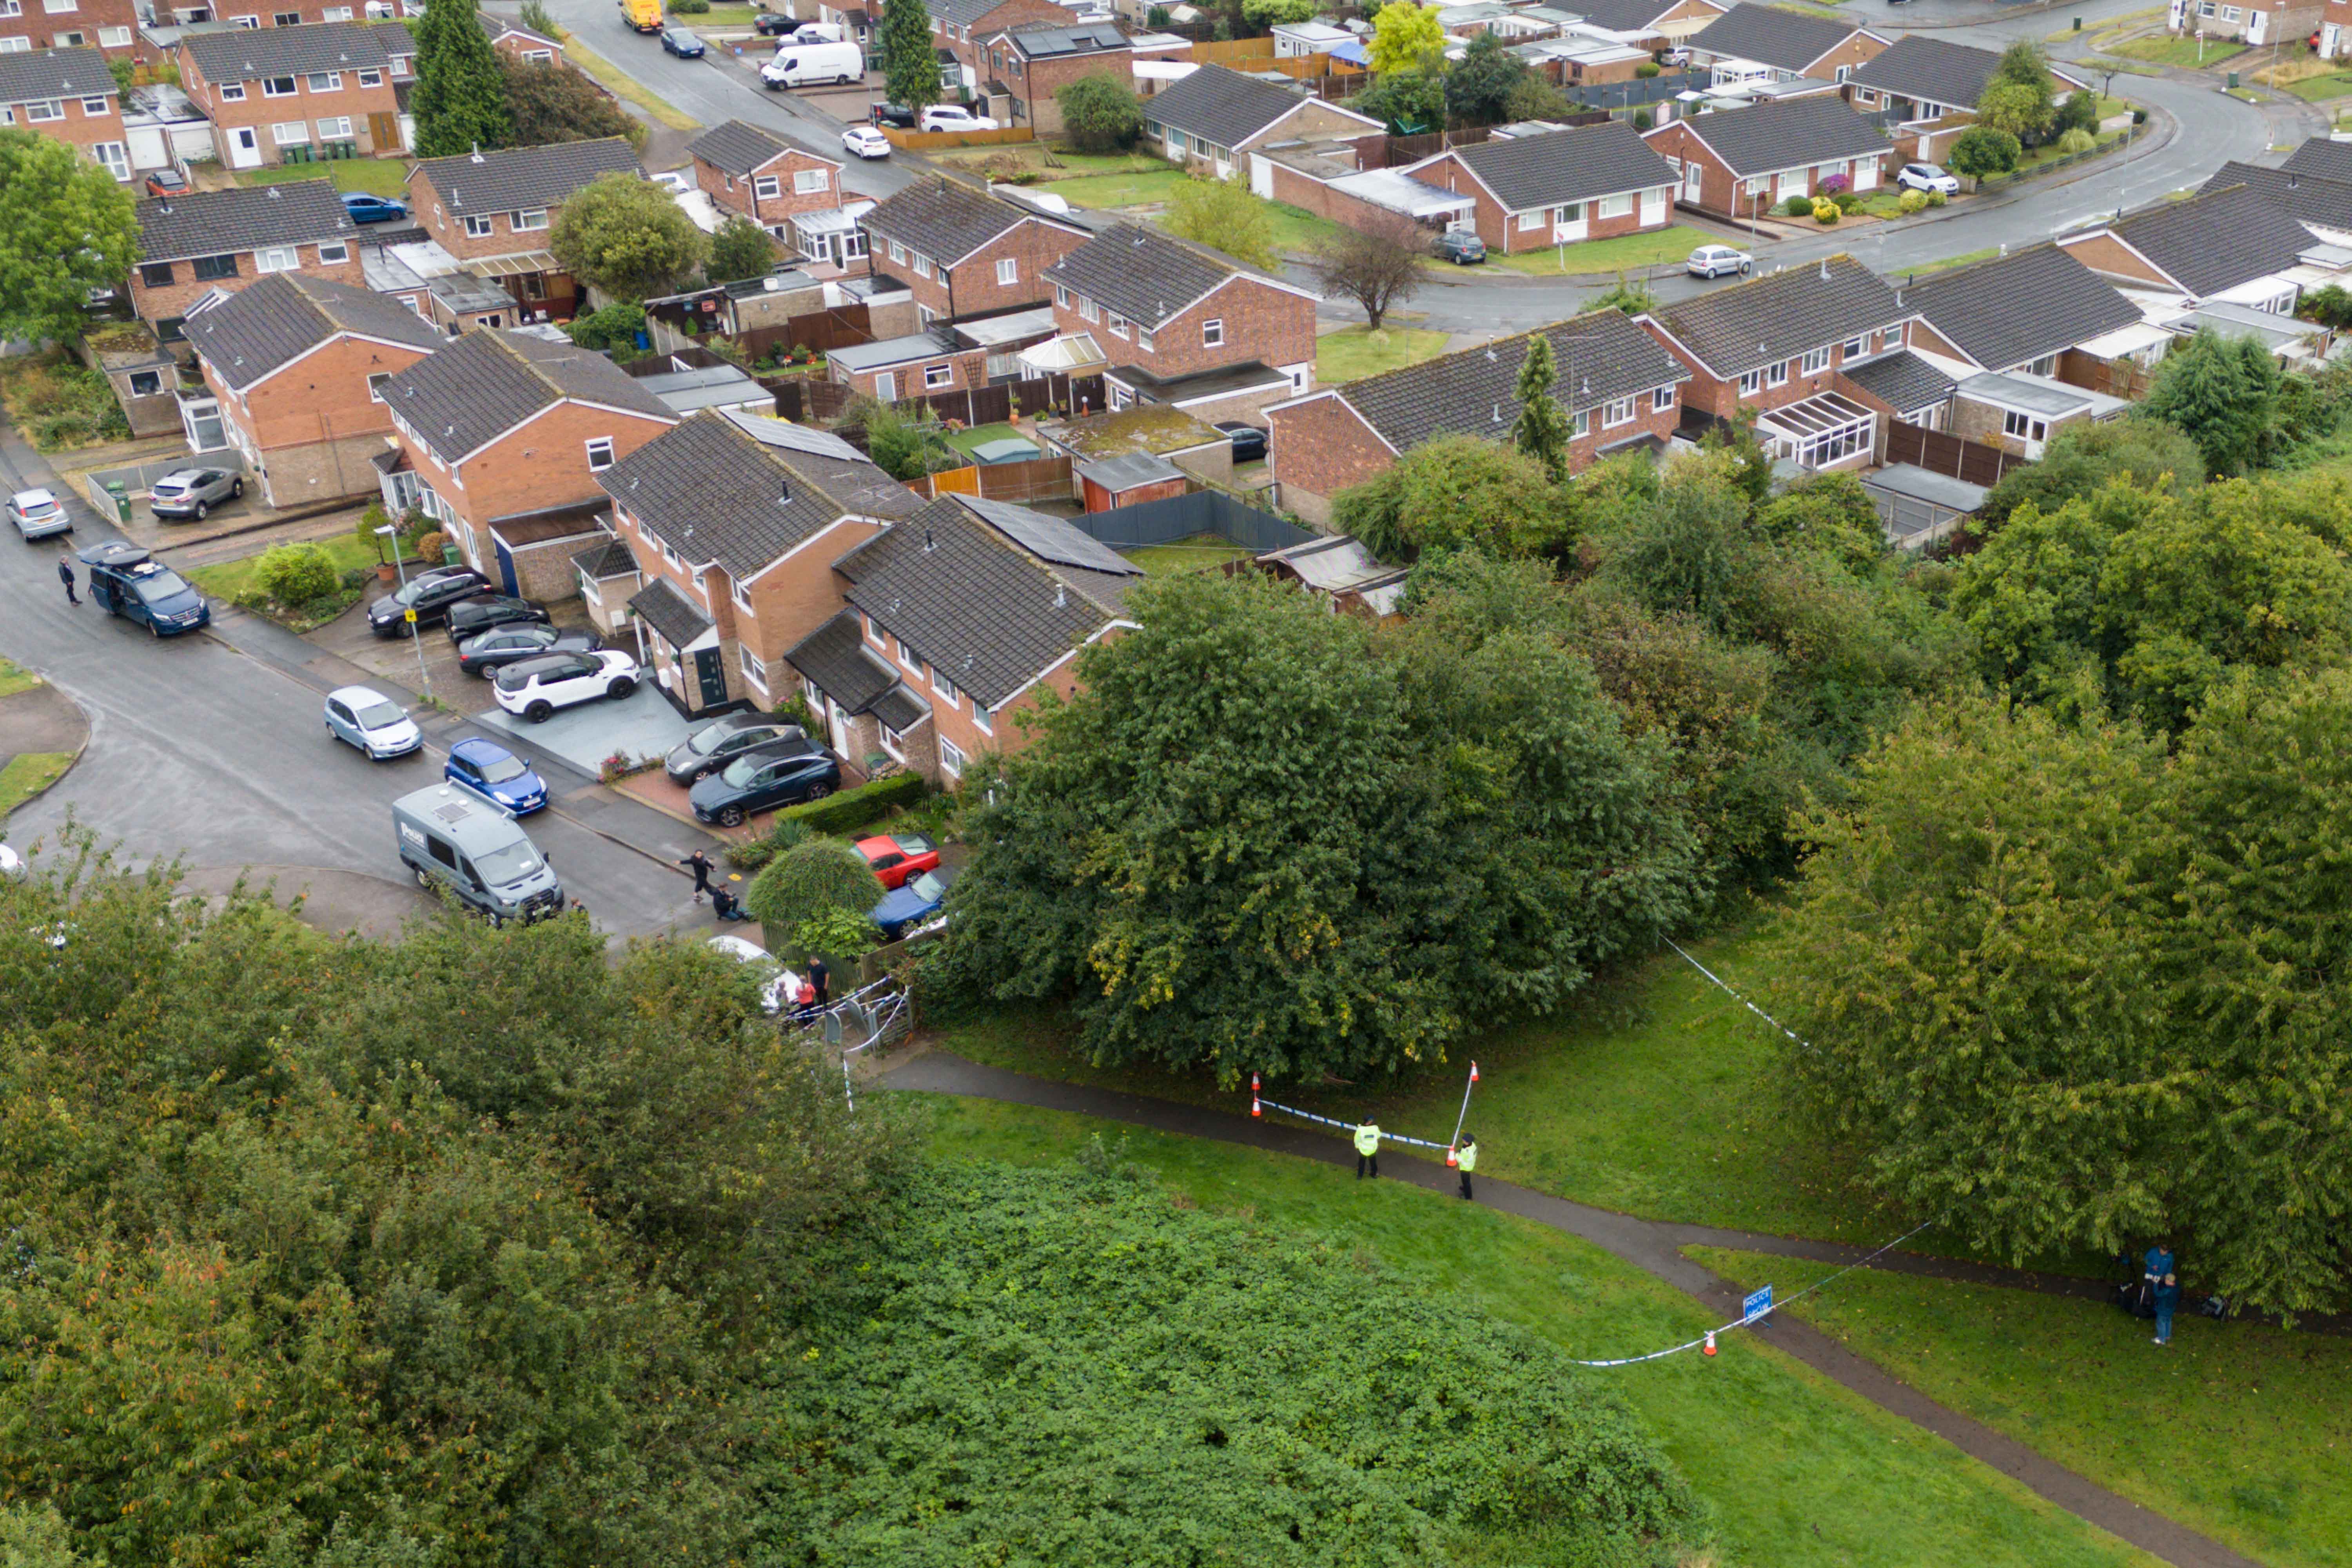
[
  {"x": 1198, "y": 553},
  {"x": 1130, "y": 188},
  {"x": 233, "y": 579},
  {"x": 2180, "y": 52},
  {"x": 1626, "y": 252},
  {"x": 2319, "y": 88},
  {"x": 2237, "y": 1430},
  {"x": 28, "y": 774},
  {"x": 377, "y": 176},
  {"x": 1352, "y": 354},
  {"x": 1800, "y": 1473},
  {"x": 15, "y": 678}
]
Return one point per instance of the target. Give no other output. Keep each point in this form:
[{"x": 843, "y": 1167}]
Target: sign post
[{"x": 1755, "y": 1306}]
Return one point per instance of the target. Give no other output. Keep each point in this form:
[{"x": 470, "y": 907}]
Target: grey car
[
  {"x": 373, "y": 723},
  {"x": 39, "y": 514},
  {"x": 715, "y": 745},
  {"x": 191, "y": 492}
]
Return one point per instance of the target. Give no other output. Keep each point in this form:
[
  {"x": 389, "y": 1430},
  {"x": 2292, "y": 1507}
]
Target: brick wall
[
  {"x": 969, "y": 369},
  {"x": 539, "y": 465},
  {"x": 162, "y": 301},
  {"x": 1030, "y": 244},
  {"x": 1318, "y": 120},
  {"x": 108, "y": 25},
  {"x": 1853, "y": 53},
  {"x": 449, "y": 228},
  {"x": 1258, "y": 322},
  {"x": 313, "y": 425},
  {"x": 350, "y": 101},
  {"x": 1311, "y": 194},
  {"x": 1036, "y": 82},
  {"x": 1318, "y": 449},
  {"x": 1725, "y": 195},
  {"x": 970, "y": 44},
  {"x": 81, "y": 126},
  {"x": 740, "y": 193}
]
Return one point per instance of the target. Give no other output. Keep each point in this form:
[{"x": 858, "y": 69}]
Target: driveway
[{"x": 640, "y": 725}]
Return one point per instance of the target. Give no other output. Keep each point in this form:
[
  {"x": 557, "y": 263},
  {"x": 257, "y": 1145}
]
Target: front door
[
  {"x": 1692, "y": 176},
  {"x": 886, "y": 388},
  {"x": 836, "y": 725},
  {"x": 244, "y": 148},
  {"x": 711, "y": 674}
]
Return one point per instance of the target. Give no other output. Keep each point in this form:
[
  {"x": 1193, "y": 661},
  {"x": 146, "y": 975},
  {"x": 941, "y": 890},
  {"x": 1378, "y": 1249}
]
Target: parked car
[
  {"x": 866, "y": 141},
  {"x": 1927, "y": 177},
  {"x": 1713, "y": 261},
  {"x": 952, "y": 117},
  {"x": 1249, "y": 441},
  {"x": 764, "y": 779},
  {"x": 777, "y": 984},
  {"x": 1462, "y": 246},
  {"x": 476, "y": 854},
  {"x": 488, "y": 612},
  {"x": 488, "y": 769},
  {"x": 897, "y": 114},
  {"x": 676, "y": 181},
  {"x": 362, "y": 207},
  {"x": 125, "y": 581},
  {"x": 814, "y": 65},
  {"x": 171, "y": 182},
  {"x": 896, "y": 857},
  {"x": 39, "y": 514},
  {"x": 775, "y": 24},
  {"x": 680, "y": 42},
  {"x": 912, "y": 907},
  {"x": 191, "y": 492},
  {"x": 373, "y": 723},
  {"x": 718, "y": 743},
  {"x": 1675, "y": 57},
  {"x": 429, "y": 593},
  {"x": 536, "y": 688},
  {"x": 502, "y": 646}
]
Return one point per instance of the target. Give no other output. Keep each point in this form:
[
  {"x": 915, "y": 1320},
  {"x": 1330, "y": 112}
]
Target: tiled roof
[
  {"x": 713, "y": 491},
  {"x": 2321, "y": 155},
  {"x": 244, "y": 54},
  {"x": 2020, "y": 308},
  {"x": 1567, "y": 165},
  {"x": 2217, "y": 240},
  {"x": 737, "y": 147},
  {"x": 1787, "y": 134},
  {"x": 1222, "y": 106},
  {"x": 1475, "y": 392},
  {"x": 836, "y": 657},
  {"x": 1790, "y": 40},
  {"x": 1054, "y": 42},
  {"x": 985, "y": 612},
  {"x": 1902, "y": 380},
  {"x": 217, "y": 223},
  {"x": 264, "y": 325},
  {"x": 609, "y": 559},
  {"x": 521, "y": 178},
  {"x": 1139, "y": 272},
  {"x": 677, "y": 618},
  {"x": 485, "y": 383},
  {"x": 1770, "y": 319},
  {"x": 498, "y": 28},
  {"x": 1638, "y": 16},
  {"x": 1935, "y": 70},
  {"x": 961, "y": 13},
  {"x": 2303, "y": 196},
  {"x": 945, "y": 220},
  {"x": 54, "y": 73}
]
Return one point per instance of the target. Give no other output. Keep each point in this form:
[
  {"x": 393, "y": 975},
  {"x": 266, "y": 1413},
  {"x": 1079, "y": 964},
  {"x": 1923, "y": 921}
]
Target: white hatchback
[
  {"x": 1927, "y": 177},
  {"x": 536, "y": 688},
  {"x": 866, "y": 141},
  {"x": 1715, "y": 260}
]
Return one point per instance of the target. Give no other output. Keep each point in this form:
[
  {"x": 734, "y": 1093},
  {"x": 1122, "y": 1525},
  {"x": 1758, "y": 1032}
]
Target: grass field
[
  {"x": 1132, "y": 188},
  {"x": 28, "y": 774},
  {"x": 1352, "y": 354},
  {"x": 2236, "y": 1430},
  {"x": 2319, "y": 88},
  {"x": 2178, "y": 52},
  {"x": 1801, "y": 1474},
  {"x": 377, "y": 176},
  {"x": 1065, "y": 164},
  {"x": 1626, "y": 252},
  {"x": 1197, "y": 553},
  {"x": 15, "y": 678}
]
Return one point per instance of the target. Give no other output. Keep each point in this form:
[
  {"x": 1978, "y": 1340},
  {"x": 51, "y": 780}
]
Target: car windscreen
[
  {"x": 163, "y": 586},
  {"x": 929, "y": 888},
  {"x": 379, "y": 715},
  {"x": 502, "y": 769},
  {"x": 171, "y": 486},
  {"x": 743, "y": 769},
  {"x": 702, "y": 742},
  {"x": 505, "y": 866}
]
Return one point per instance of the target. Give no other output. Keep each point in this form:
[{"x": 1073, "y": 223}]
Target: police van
[{"x": 453, "y": 840}]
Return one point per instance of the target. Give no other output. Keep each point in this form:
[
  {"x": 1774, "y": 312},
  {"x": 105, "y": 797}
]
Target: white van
[
  {"x": 815, "y": 33},
  {"x": 815, "y": 65}
]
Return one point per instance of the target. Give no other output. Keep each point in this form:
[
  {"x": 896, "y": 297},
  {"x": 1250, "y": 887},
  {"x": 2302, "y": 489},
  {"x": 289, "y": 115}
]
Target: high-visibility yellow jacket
[
  {"x": 1368, "y": 1138},
  {"x": 1468, "y": 1157}
]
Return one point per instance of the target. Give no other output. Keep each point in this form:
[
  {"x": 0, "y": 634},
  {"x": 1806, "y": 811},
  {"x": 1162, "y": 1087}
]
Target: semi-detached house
[
  {"x": 1649, "y": 24},
  {"x": 963, "y": 253},
  {"x": 69, "y": 96},
  {"x": 961, "y": 30},
  {"x": 1738, "y": 163},
  {"x": 491, "y": 212},
  {"x": 30, "y": 25},
  {"x": 1595, "y": 182},
  {"x": 1752, "y": 43},
  {"x": 1214, "y": 118},
  {"x": 755, "y": 173},
  {"x": 209, "y": 242},
  {"x": 1029, "y": 64},
  {"x": 318, "y": 87}
]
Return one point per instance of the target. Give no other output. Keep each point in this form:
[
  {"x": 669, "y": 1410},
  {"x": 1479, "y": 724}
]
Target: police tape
[
  {"x": 1735, "y": 996},
  {"x": 1257, "y": 1101}
]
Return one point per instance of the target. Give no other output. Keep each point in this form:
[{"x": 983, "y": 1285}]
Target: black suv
[
  {"x": 782, "y": 772},
  {"x": 897, "y": 114},
  {"x": 774, "y": 25},
  {"x": 430, "y": 594},
  {"x": 714, "y": 746},
  {"x": 479, "y": 614},
  {"x": 497, "y": 649}
]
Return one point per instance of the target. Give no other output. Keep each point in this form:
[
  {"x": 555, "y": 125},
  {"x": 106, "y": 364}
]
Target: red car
[
  {"x": 895, "y": 859},
  {"x": 171, "y": 182}
]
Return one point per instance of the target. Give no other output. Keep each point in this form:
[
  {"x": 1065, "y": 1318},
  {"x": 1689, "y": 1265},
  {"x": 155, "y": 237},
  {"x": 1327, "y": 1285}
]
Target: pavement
[
  {"x": 640, "y": 725},
  {"x": 1657, "y": 1249}
]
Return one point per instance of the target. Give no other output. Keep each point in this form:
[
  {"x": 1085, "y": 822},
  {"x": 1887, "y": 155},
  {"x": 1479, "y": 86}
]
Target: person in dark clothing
[
  {"x": 822, "y": 978},
  {"x": 64, "y": 575},
  {"x": 2168, "y": 1296},
  {"x": 1466, "y": 1160},
  {"x": 725, "y": 904},
  {"x": 699, "y": 864}
]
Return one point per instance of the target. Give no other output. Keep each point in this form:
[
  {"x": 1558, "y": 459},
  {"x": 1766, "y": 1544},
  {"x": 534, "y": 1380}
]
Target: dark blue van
[{"x": 125, "y": 581}]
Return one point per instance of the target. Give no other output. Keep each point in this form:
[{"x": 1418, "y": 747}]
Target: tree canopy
[
  {"x": 2223, "y": 393},
  {"x": 553, "y": 102},
  {"x": 1479, "y": 85},
  {"x": 66, "y": 227},
  {"x": 460, "y": 101},
  {"x": 910, "y": 65},
  {"x": 1405, "y": 37},
  {"x": 740, "y": 249},
  {"x": 1542, "y": 429},
  {"x": 1100, "y": 113},
  {"x": 1225, "y": 214},
  {"x": 1457, "y": 493},
  {"x": 625, "y": 235},
  {"x": 1983, "y": 149}
]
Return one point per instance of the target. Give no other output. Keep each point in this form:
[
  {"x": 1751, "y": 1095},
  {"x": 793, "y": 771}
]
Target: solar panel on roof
[
  {"x": 794, "y": 438},
  {"x": 1049, "y": 538}
]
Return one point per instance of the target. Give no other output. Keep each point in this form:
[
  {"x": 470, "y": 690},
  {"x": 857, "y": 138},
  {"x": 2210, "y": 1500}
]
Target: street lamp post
[{"x": 400, "y": 567}]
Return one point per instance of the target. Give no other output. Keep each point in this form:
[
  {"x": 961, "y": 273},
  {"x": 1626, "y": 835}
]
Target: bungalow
[
  {"x": 1751, "y": 42},
  {"x": 2320, "y": 202},
  {"x": 490, "y": 213},
  {"x": 1739, "y": 162},
  {"x": 1619, "y": 387},
  {"x": 69, "y": 96},
  {"x": 284, "y": 94},
  {"x": 2233, "y": 245},
  {"x": 209, "y": 242},
  {"x": 1214, "y": 117},
  {"x": 2028, "y": 313},
  {"x": 520, "y": 43},
  {"x": 963, "y": 252},
  {"x": 1650, "y": 24},
  {"x": 1595, "y": 182},
  {"x": 1922, "y": 78}
]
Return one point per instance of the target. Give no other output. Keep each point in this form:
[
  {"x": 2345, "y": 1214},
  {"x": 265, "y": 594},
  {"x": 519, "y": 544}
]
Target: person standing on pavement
[
  {"x": 822, "y": 979},
  {"x": 1368, "y": 1148},
  {"x": 699, "y": 864},
  {"x": 2168, "y": 1296},
  {"x": 1466, "y": 1159},
  {"x": 64, "y": 575}
]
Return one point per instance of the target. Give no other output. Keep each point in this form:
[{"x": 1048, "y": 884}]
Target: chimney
[
  {"x": 1061, "y": 596},
  {"x": 1826, "y": 268},
  {"x": 929, "y": 544}
]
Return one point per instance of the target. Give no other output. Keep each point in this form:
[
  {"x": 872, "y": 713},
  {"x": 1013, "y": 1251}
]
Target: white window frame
[
  {"x": 232, "y": 93},
  {"x": 979, "y": 719},
  {"x": 114, "y": 38},
  {"x": 1619, "y": 206},
  {"x": 1531, "y": 221},
  {"x": 1008, "y": 270},
  {"x": 114, "y": 158},
  {"x": 754, "y": 669},
  {"x": 376, "y": 386},
  {"x": 60, "y": 7},
  {"x": 1620, "y": 411},
  {"x": 1088, "y": 311},
  {"x": 946, "y": 688},
  {"x": 1751, "y": 382},
  {"x": 1061, "y": 296},
  {"x": 1816, "y": 361},
  {"x": 276, "y": 258},
  {"x": 809, "y": 182},
  {"x": 342, "y": 132},
  {"x": 2023, "y": 426},
  {"x": 736, "y": 592},
  {"x": 905, "y": 655},
  {"x": 1661, "y": 399},
  {"x": 300, "y": 128},
  {"x": 1776, "y": 373},
  {"x": 592, "y": 445},
  {"x": 922, "y": 265},
  {"x": 41, "y": 110},
  {"x": 1117, "y": 325},
  {"x": 531, "y": 220},
  {"x": 1579, "y": 424},
  {"x": 484, "y": 231},
  {"x": 324, "y": 81},
  {"x": 765, "y": 187},
  {"x": 1212, "y": 332},
  {"x": 1857, "y": 347},
  {"x": 371, "y": 79},
  {"x": 1143, "y": 338},
  {"x": 952, "y": 758},
  {"x": 898, "y": 252},
  {"x": 333, "y": 252},
  {"x": 96, "y": 108},
  {"x": 936, "y": 376},
  {"x": 269, "y": 86}
]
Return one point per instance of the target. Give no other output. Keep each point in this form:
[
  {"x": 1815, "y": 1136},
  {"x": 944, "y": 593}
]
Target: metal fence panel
[
  {"x": 1182, "y": 517},
  {"x": 136, "y": 477}
]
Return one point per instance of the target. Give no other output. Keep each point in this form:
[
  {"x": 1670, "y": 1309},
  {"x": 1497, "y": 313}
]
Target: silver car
[
  {"x": 371, "y": 721},
  {"x": 39, "y": 514},
  {"x": 191, "y": 492}
]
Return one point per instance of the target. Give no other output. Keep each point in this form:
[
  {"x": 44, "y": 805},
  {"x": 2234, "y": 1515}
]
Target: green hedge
[{"x": 857, "y": 808}]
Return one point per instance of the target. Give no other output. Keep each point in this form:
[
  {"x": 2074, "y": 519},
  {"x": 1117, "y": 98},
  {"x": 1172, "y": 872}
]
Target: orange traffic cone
[
  {"x": 1710, "y": 1341},
  {"x": 1474, "y": 1072},
  {"x": 1254, "y": 1107},
  {"x": 1450, "y": 1160}
]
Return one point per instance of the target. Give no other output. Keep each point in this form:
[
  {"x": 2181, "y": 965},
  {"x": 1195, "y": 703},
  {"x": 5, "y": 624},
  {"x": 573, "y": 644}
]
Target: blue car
[
  {"x": 912, "y": 906},
  {"x": 681, "y": 43},
  {"x": 365, "y": 208},
  {"x": 488, "y": 769},
  {"x": 125, "y": 581}
]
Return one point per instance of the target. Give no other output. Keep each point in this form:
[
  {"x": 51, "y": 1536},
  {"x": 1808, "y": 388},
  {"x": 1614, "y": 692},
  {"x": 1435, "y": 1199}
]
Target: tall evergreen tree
[
  {"x": 911, "y": 69},
  {"x": 1541, "y": 431},
  {"x": 460, "y": 101}
]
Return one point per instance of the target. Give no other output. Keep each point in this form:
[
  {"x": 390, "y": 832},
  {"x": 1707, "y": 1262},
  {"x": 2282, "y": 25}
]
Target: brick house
[
  {"x": 964, "y": 253},
  {"x": 67, "y": 95},
  {"x": 302, "y": 12},
  {"x": 1922, "y": 78},
  {"x": 519, "y": 42},
  {"x": 1028, "y": 65},
  {"x": 1650, "y": 24},
  {"x": 942, "y": 357},
  {"x": 112, "y": 25},
  {"x": 956, "y": 619},
  {"x": 1595, "y": 182},
  {"x": 732, "y": 523},
  {"x": 2026, "y": 312},
  {"x": 1737, "y": 163},
  {"x": 208, "y": 241},
  {"x": 1777, "y": 347},
  {"x": 2232, "y": 244},
  {"x": 1214, "y": 118},
  {"x": 297, "y": 365},
  {"x": 961, "y": 29},
  {"x": 1618, "y": 386},
  {"x": 492, "y": 212},
  {"x": 756, "y": 174},
  {"x": 2272, "y": 23},
  {"x": 270, "y": 90},
  {"x": 1176, "y": 325},
  {"x": 501, "y": 437},
  {"x": 1751, "y": 42}
]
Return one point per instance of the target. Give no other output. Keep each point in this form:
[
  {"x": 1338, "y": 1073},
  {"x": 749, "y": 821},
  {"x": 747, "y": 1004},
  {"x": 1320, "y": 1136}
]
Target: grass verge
[
  {"x": 2180, "y": 53},
  {"x": 28, "y": 774},
  {"x": 1352, "y": 354},
  {"x": 15, "y": 678},
  {"x": 2236, "y": 1430},
  {"x": 1626, "y": 251},
  {"x": 1801, "y": 1474},
  {"x": 624, "y": 85},
  {"x": 2319, "y": 88},
  {"x": 376, "y": 177},
  {"x": 233, "y": 581},
  {"x": 1197, "y": 553}
]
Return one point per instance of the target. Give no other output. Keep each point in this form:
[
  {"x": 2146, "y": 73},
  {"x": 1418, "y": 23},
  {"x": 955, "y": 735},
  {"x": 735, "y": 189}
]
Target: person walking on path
[
  {"x": 64, "y": 575},
  {"x": 1368, "y": 1148},
  {"x": 699, "y": 864},
  {"x": 2168, "y": 1296},
  {"x": 822, "y": 978},
  {"x": 1466, "y": 1159}
]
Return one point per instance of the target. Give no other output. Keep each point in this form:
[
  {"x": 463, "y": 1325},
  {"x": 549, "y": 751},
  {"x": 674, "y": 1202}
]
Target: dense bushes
[
  {"x": 856, "y": 807},
  {"x": 1062, "y": 1368},
  {"x": 810, "y": 878},
  {"x": 61, "y": 403},
  {"x": 296, "y": 575}
]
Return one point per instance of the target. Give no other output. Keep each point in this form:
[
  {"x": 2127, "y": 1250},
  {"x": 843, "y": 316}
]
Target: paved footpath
[{"x": 1652, "y": 1247}]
